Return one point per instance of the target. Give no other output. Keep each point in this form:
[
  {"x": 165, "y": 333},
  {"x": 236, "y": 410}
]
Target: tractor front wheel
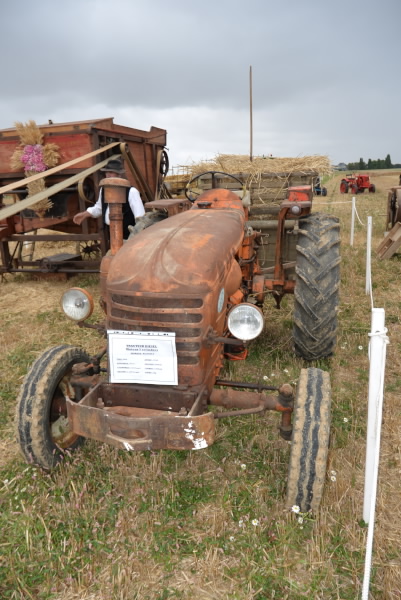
[
  {"x": 372, "y": 188},
  {"x": 42, "y": 427},
  {"x": 344, "y": 186},
  {"x": 317, "y": 286},
  {"x": 310, "y": 441}
]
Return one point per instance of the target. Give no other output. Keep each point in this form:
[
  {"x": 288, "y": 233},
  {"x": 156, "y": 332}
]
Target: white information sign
[{"x": 143, "y": 357}]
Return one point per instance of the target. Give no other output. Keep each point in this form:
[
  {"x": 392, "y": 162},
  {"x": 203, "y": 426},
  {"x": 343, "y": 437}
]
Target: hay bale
[
  {"x": 267, "y": 178},
  {"x": 235, "y": 163}
]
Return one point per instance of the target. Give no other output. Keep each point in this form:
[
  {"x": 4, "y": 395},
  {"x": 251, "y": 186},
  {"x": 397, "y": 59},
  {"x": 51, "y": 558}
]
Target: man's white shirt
[{"x": 134, "y": 200}]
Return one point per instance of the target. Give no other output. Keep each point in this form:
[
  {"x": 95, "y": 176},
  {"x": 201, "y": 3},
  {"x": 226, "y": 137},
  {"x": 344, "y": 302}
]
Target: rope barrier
[{"x": 356, "y": 212}]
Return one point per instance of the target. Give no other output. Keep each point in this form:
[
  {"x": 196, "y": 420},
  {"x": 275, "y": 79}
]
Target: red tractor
[
  {"x": 357, "y": 184},
  {"x": 178, "y": 297}
]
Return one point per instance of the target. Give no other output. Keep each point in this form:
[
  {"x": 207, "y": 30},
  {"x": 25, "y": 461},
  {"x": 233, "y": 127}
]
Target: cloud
[{"x": 325, "y": 75}]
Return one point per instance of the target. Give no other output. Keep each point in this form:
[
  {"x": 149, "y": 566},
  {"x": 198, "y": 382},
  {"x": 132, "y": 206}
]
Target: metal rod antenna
[{"x": 251, "y": 115}]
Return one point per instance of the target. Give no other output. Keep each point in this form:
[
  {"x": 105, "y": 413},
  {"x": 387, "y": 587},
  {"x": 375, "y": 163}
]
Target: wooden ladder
[{"x": 391, "y": 242}]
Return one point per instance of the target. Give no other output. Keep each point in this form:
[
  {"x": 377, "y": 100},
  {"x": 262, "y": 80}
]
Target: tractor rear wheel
[
  {"x": 317, "y": 286},
  {"x": 344, "y": 186},
  {"x": 310, "y": 440},
  {"x": 42, "y": 427}
]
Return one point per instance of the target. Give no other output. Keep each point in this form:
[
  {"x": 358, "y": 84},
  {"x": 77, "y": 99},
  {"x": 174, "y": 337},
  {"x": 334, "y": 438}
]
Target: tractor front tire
[
  {"x": 317, "y": 286},
  {"x": 310, "y": 441},
  {"x": 42, "y": 428}
]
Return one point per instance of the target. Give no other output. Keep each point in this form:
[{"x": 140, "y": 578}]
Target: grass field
[{"x": 210, "y": 524}]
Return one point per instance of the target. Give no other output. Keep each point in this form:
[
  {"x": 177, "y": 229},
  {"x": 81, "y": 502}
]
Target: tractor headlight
[
  {"x": 77, "y": 304},
  {"x": 245, "y": 321}
]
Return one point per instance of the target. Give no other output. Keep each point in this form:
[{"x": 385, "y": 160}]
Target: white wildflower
[
  {"x": 333, "y": 478},
  {"x": 243, "y": 466},
  {"x": 300, "y": 520},
  {"x": 295, "y": 509},
  {"x": 255, "y": 522}
]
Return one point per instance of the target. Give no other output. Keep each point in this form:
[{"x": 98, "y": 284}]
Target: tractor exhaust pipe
[{"x": 115, "y": 195}]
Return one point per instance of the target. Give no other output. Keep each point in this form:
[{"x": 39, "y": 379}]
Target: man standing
[{"x": 132, "y": 209}]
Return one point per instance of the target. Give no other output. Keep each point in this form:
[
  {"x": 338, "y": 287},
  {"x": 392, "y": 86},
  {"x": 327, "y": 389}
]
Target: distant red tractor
[{"x": 357, "y": 184}]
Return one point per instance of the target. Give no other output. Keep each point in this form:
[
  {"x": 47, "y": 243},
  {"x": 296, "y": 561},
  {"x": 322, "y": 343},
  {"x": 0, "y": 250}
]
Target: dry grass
[{"x": 109, "y": 525}]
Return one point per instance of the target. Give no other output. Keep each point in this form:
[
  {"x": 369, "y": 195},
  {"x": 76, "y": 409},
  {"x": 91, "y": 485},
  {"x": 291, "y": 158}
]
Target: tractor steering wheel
[{"x": 193, "y": 193}]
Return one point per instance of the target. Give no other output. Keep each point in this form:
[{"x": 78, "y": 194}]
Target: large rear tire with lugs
[
  {"x": 310, "y": 441},
  {"x": 317, "y": 286},
  {"x": 42, "y": 428}
]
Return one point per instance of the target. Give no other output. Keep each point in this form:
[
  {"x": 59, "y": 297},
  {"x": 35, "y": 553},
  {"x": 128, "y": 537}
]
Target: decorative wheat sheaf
[{"x": 33, "y": 157}]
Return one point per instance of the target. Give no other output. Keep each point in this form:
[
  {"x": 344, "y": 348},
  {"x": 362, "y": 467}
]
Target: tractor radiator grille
[{"x": 182, "y": 316}]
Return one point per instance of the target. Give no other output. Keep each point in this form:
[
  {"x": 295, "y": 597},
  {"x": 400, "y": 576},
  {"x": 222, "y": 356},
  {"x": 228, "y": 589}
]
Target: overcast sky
[{"x": 326, "y": 75}]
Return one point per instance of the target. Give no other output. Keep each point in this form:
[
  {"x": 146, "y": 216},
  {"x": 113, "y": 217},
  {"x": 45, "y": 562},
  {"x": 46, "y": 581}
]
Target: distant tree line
[{"x": 379, "y": 163}]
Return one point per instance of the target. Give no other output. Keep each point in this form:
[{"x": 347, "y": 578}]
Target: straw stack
[
  {"x": 237, "y": 163},
  {"x": 267, "y": 178}
]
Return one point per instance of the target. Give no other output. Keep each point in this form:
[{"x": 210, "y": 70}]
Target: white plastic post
[
  {"x": 377, "y": 354},
  {"x": 377, "y": 347},
  {"x": 351, "y": 241},
  {"x": 368, "y": 282}
]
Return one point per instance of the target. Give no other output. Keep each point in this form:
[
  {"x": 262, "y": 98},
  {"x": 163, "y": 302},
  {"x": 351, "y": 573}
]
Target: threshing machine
[{"x": 72, "y": 185}]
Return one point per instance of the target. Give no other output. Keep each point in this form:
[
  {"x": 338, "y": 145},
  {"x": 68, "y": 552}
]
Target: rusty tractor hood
[{"x": 188, "y": 253}]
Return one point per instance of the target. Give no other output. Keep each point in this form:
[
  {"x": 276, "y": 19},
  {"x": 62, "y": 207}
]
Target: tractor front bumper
[{"x": 132, "y": 417}]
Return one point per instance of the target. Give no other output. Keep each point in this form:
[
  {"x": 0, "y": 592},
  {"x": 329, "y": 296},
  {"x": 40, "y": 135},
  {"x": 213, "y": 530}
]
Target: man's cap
[{"x": 115, "y": 164}]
